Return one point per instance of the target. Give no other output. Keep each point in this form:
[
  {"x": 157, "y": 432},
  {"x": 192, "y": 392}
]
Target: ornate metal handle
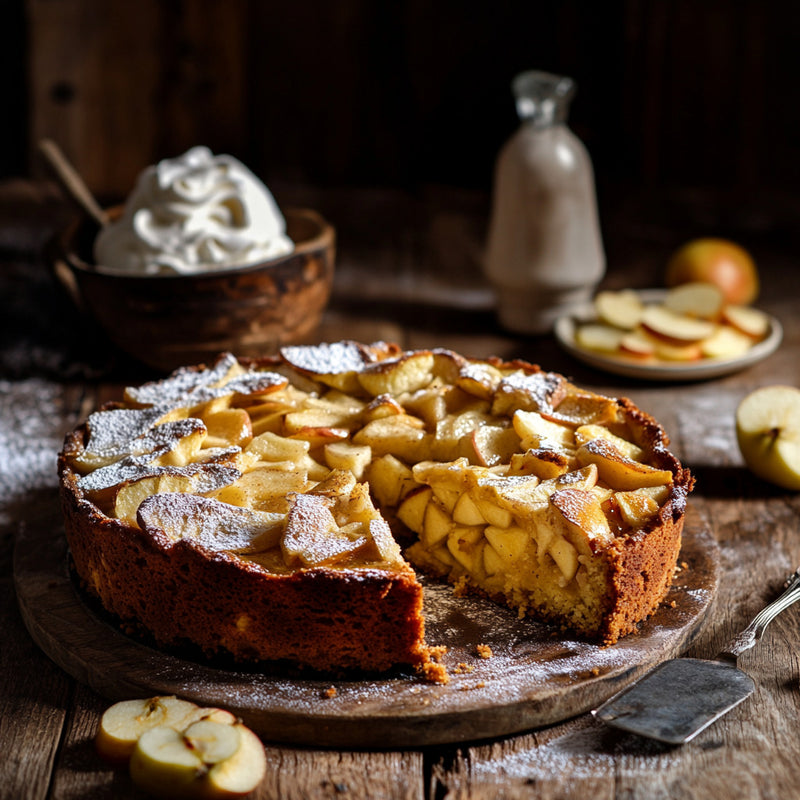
[{"x": 753, "y": 632}]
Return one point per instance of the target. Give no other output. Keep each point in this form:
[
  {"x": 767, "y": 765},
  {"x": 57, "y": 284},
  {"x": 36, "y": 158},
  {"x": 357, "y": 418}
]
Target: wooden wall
[{"x": 358, "y": 92}]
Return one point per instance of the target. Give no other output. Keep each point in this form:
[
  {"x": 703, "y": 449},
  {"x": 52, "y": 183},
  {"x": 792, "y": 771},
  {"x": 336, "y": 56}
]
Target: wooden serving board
[{"x": 531, "y": 679}]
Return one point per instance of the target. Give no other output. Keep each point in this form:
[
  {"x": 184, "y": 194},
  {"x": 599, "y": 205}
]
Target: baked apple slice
[{"x": 210, "y": 523}]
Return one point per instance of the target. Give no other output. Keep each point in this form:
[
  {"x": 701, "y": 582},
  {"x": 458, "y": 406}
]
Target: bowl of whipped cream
[{"x": 199, "y": 260}]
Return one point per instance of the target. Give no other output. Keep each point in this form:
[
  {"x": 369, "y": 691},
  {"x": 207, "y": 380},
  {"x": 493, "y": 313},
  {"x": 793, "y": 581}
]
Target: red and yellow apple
[{"x": 719, "y": 261}]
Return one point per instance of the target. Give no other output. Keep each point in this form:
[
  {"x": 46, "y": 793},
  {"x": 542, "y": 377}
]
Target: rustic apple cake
[{"x": 258, "y": 507}]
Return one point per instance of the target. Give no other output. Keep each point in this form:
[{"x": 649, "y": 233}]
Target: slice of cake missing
[{"x": 254, "y": 508}]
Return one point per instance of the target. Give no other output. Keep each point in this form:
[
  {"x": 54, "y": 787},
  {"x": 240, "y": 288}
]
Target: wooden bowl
[{"x": 166, "y": 321}]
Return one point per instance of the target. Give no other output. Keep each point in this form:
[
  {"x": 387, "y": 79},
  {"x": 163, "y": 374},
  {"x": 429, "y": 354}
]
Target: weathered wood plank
[
  {"x": 121, "y": 85},
  {"x": 34, "y": 693}
]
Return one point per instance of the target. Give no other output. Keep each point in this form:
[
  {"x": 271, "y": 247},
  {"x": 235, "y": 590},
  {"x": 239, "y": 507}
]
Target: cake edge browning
[
  {"x": 642, "y": 570},
  {"x": 310, "y": 617},
  {"x": 644, "y": 563}
]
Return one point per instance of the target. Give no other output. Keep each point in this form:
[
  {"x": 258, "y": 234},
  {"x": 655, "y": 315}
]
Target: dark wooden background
[{"x": 692, "y": 102}]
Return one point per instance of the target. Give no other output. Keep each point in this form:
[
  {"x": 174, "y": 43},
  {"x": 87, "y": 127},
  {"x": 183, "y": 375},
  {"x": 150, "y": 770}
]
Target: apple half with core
[{"x": 768, "y": 431}]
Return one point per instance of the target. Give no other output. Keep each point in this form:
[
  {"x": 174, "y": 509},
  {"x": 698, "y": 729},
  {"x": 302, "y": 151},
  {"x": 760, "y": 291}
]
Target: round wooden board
[{"x": 531, "y": 679}]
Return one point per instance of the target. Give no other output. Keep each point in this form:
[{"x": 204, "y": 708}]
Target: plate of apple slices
[{"x": 687, "y": 332}]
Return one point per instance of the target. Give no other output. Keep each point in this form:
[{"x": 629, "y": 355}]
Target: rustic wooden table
[{"x": 54, "y": 369}]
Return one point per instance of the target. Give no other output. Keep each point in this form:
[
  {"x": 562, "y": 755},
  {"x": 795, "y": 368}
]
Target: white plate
[{"x": 662, "y": 371}]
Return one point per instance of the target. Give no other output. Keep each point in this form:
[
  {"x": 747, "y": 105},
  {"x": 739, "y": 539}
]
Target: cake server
[{"x": 681, "y": 697}]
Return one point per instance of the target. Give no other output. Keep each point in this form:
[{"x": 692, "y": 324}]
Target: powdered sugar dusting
[
  {"x": 111, "y": 431},
  {"x": 540, "y": 388},
  {"x": 177, "y": 386},
  {"x": 327, "y": 359},
  {"x": 28, "y": 441},
  {"x": 214, "y": 525},
  {"x": 162, "y": 438},
  {"x": 205, "y": 477},
  {"x": 482, "y": 373}
]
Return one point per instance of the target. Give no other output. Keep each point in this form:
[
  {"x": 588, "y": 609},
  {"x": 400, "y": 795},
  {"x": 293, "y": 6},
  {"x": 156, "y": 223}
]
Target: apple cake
[{"x": 271, "y": 509}]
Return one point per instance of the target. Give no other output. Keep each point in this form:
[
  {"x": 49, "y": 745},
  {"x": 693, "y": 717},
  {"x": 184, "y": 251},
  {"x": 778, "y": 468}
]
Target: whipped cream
[{"x": 194, "y": 213}]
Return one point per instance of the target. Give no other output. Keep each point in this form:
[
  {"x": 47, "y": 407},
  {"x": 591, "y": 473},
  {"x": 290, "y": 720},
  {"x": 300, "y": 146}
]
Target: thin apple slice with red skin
[
  {"x": 622, "y": 309},
  {"x": 697, "y": 299},
  {"x": 637, "y": 344},
  {"x": 676, "y": 329},
  {"x": 666, "y": 351},
  {"x": 750, "y": 321},
  {"x": 726, "y": 342},
  {"x": 599, "y": 337}
]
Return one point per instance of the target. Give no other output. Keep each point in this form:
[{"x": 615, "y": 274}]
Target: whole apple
[
  {"x": 719, "y": 261},
  {"x": 768, "y": 431}
]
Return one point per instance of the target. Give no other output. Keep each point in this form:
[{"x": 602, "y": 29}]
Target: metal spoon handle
[
  {"x": 72, "y": 182},
  {"x": 753, "y": 632}
]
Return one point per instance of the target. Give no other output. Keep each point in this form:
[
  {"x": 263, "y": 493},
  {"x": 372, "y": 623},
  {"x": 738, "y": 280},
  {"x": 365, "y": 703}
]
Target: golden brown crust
[
  {"x": 327, "y": 618},
  {"x": 310, "y": 617}
]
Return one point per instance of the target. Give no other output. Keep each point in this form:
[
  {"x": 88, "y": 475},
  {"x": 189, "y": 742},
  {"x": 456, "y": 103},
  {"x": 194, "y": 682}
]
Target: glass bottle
[{"x": 544, "y": 252}]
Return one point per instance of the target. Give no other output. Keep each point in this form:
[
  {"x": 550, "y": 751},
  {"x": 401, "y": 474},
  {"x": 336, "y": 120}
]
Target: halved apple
[
  {"x": 209, "y": 759},
  {"x": 239, "y": 774},
  {"x": 768, "y": 432},
  {"x": 124, "y": 722}
]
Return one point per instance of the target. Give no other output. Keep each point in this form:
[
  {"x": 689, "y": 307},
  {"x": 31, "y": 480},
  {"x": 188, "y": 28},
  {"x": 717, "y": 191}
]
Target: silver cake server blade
[{"x": 681, "y": 697}]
